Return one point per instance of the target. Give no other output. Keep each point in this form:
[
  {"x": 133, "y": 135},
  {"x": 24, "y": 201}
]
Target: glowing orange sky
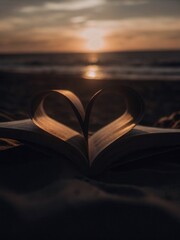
[{"x": 89, "y": 25}]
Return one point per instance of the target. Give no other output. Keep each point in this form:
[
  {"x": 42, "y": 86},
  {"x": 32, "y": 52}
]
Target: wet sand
[{"x": 161, "y": 98}]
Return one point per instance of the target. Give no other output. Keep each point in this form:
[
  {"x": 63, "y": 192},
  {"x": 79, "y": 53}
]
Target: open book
[{"x": 120, "y": 141}]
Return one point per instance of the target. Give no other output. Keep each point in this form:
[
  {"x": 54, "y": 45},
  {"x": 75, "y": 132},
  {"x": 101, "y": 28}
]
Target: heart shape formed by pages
[{"x": 100, "y": 139}]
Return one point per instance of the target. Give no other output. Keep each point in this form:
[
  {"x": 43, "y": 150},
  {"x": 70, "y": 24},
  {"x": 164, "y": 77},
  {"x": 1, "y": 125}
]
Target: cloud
[
  {"x": 137, "y": 2},
  {"x": 41, "y": 39},
  {"x": 128, "y": 2},
  {"x": 138, "y": 24},
  {"x": 78, "y": 19},
  {"x": 9, "y": 7},
  {"x": 94, "y": 9},
  {"x": 143, "y": 33},
  {"x": 144, "y": 40},
  {"x": 46, "y": 24},
  {"x": 63, "y": 6}
]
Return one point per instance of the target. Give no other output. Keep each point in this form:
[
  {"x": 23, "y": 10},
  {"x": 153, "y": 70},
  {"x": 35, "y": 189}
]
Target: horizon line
[{"x": 99, "y": 52}]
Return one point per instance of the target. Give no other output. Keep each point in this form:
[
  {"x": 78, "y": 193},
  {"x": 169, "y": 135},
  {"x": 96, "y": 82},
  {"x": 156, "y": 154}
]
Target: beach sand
[
  {"x": 47, "y": 197},
  {"x": 161, "y": 98}
]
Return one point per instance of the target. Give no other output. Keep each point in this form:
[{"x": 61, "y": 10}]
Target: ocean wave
[{"x": 127, "y": 65}]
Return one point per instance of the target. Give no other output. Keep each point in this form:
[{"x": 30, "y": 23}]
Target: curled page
[
  {"x": 50, "y": 125},
  {"x": 88, "y": 114},
  {"x": 109, "y": 134},
  {"x": 53, "y": 127}
]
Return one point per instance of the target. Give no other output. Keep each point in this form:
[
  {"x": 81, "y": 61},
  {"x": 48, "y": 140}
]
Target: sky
[{"x": 89, "y": 25}]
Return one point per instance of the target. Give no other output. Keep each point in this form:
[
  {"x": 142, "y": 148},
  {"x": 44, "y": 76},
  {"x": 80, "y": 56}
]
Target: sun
[{"x": 94, "y": 39}]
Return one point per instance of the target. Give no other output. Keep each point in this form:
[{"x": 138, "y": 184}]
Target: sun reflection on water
[{"x": 92, "y": 72}]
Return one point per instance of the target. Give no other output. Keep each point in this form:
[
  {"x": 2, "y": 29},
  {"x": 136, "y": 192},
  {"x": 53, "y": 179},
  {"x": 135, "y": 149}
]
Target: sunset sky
[{"x": 88, "y": 25}]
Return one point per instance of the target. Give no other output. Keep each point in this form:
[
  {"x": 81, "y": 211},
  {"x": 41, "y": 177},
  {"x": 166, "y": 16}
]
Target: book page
[
  {"x": 55, "y": 128},
  {"x": 109, "y": 134},
  {"x": 26, "y": 131},
  {"x": 119, "y": 127},
  {"x": 139, "y": 143},
  {"x": 88, "y": 114},
  {"x": 45, "y": 122},
  {"x": 144, "y": 129}
]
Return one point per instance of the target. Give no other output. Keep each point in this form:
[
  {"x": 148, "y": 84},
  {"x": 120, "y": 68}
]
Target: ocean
[{"x": 145, "y": 65}]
